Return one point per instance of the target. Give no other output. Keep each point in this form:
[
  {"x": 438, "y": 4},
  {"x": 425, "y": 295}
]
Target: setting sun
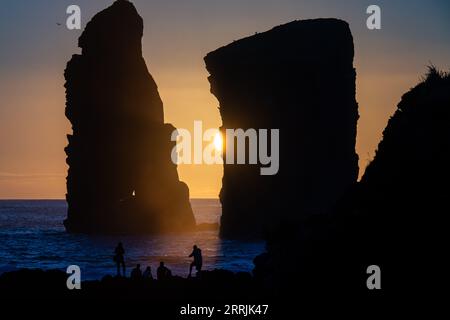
[{"x": 218, "y": 143}]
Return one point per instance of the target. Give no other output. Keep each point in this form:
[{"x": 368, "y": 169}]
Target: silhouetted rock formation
[
  {"x": 121, "y": 177},
  {"x": 410, "y": 163},
  {"x": 298, "y": 78},
  {"x": 395, "y": 217},
  {"x": 403, "y": 195}
]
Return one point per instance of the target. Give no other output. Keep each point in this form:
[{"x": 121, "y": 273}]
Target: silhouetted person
[
  {"x": 148, "y": 274},
  {"x": 163, "y": 272},
  {"x": 136, "y": 273},
  {"x": 119, "y": 258},
  {"x": 198, "y": 260}
]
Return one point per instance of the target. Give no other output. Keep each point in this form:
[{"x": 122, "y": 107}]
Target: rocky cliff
[
  {"x": 394, "y": 218},
  {"x": 298, "y": 78},
  {"x": 121, "y": 177},
  {"x": 403, "y": 194}
]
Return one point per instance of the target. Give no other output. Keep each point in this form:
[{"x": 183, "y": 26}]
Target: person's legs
[
  {"x": 118, "y": 268},
  {"x": 190, "y": 268},
  {"x": 198, "y": 267},
  {"x": 123, "y": 268}
]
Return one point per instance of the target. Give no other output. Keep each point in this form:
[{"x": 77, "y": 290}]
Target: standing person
[
  {"x": 198, "y": 260},
  {"x": 119, "y": 258}
]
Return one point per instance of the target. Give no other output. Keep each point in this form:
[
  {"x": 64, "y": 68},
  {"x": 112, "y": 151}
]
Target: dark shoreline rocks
[{"x": 210, "y": 286}]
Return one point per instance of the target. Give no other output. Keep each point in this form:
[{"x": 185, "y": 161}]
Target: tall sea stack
[
  {"x": 298, "y": 78},
  {"x": 121, "y": 178}
]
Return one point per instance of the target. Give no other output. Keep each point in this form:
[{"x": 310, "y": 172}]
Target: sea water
[{"x": 32, "y": 235}]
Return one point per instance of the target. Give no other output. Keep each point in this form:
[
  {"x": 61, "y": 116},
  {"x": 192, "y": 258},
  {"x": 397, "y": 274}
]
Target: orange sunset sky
[{"x": 177, "y": 35}]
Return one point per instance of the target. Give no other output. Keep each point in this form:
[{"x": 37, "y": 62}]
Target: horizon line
[{"x": 61, "y": 199}]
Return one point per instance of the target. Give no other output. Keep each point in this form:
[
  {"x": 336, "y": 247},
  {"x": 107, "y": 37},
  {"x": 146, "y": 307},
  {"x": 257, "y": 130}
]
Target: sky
[{"x": 177, "y": 35}]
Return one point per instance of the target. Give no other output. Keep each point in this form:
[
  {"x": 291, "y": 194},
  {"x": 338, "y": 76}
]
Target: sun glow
[{"x": 218, "y": 143}]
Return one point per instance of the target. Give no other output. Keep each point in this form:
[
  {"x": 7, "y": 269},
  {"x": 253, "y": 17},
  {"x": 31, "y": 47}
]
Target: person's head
[
  {"x": 138, "y": 266},
  {"x": 195, "y": 247},
  {"x": 120, "y": 244},
  {"x": 161, "y": 264},
  {"x": 148, "y": 268}
]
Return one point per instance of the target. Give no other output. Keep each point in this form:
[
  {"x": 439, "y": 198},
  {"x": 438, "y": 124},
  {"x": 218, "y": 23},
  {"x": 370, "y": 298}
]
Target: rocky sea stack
[
  {"x": 298, "y": 78},
  {"x": 121, "y": 177}
]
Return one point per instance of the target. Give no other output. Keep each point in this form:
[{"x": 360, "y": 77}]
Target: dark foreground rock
[
  {"x": 394, "y": 218},
  {"x": 209, "y": 287},
  {"x": 121, "y": 178},
  {"x": 403, "y": 195},
  {"x": 298, "y": 78},
  {"x": 158, "y": 299}
]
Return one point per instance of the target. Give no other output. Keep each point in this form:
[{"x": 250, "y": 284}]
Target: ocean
[{"x": 32, "y": 235}]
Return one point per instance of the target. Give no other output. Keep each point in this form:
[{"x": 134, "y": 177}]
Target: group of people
[{"x": 161, "y": 273}]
